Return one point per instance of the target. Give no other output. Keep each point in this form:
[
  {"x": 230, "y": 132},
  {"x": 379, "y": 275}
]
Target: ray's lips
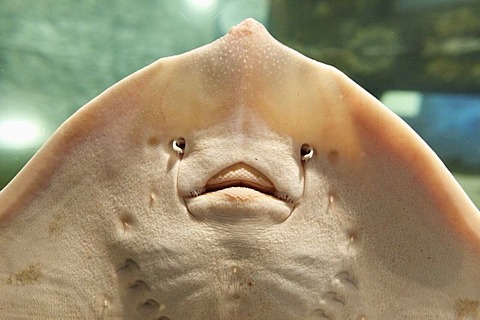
[
  {"x": 240, "y": 181},
  {"x": 239, "y": 194}
]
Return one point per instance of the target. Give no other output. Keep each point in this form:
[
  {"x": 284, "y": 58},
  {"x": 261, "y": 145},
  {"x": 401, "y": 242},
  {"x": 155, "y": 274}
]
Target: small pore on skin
[
  {"x": 153, "y": 141},
  {"x": 353, "y": 235},
  {"x": 28, "y": 275},
  {"x": 333, "y": 156},
  {"x": 332, "y": 200},
  {"x": 152, "y": 198},
  {"x": 127, "y": 221}
]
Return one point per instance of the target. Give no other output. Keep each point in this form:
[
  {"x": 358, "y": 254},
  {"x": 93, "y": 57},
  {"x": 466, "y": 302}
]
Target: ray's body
[{"x": 240, "y": 180}]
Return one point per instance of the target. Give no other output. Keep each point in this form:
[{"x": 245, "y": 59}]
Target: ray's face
[
  {"x": 243, "y": 132},
  {"x": 245, "y": 174}
]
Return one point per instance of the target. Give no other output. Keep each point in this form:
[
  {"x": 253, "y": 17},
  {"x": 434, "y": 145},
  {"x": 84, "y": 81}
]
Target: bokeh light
[{"x": 19, "y": 133}]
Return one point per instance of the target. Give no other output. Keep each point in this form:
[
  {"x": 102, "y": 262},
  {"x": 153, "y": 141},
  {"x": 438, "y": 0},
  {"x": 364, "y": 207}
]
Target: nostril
[
  {"x": 306, "y": 152},
  {"x": 178, "y": 145}
]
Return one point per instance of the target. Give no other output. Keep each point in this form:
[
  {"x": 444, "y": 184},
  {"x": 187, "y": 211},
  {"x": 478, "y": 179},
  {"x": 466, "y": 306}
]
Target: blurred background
[{"x": 420, "y": 57}]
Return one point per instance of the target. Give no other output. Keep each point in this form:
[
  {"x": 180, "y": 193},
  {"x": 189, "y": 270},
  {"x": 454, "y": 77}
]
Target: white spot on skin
[
  {"x": 330, "y": 199},
  {"x": 153, "y": 198},
  {"x": 352, "y": 238}
]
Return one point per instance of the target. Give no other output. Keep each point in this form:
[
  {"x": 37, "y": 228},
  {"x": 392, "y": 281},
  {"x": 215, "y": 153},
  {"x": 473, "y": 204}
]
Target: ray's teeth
[
  {"x": 241, "y": 175},
  {"x": 197, "y": 192},
  {"x": 283, "y": 196},
  {"x": 241, "y": 172}
]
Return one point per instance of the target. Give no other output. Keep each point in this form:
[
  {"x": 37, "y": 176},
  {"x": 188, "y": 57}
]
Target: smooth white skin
[{"x": 101, "y": 224}]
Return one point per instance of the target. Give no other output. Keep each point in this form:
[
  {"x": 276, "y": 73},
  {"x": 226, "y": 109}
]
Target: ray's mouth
[
  {"x": 241, "y": 179},
  {"x": 239, "y": 184}
]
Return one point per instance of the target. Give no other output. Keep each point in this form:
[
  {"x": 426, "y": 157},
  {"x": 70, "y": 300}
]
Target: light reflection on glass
[{"x": 19, "y": 133}]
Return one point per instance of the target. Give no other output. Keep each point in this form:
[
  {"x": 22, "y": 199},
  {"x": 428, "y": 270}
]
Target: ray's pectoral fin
[{"x": 416, "y": 234}]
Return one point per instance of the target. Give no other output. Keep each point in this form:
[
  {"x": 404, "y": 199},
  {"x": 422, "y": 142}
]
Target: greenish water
[{"x": 471, "y": 184}]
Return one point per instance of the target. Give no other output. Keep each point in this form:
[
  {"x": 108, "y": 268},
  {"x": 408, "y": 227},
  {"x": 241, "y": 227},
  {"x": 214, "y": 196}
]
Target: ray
[{"x": 240, "y": 180}]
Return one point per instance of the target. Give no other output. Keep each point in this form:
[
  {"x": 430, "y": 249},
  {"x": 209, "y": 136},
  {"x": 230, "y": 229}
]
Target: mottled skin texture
[{"x": 109, "y": 221}]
